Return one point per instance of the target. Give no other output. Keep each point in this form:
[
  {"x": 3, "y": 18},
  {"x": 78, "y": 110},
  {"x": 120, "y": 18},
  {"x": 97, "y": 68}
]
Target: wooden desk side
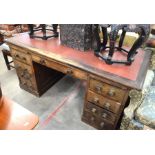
[{"x": 131, "y": 76}]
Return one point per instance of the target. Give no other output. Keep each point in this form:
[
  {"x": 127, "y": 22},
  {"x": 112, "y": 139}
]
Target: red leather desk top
[{"x": 53, "y": 46}]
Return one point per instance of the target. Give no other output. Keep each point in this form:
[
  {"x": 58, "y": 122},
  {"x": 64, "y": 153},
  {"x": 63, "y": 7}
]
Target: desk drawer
[
  {"x": 96, "y": 122},
  {"x": 107, "y": 90},
  {"x": 103, "y": 102},
  {"x": 23, "y": 57},
  {"x": 101, "y": 113},
  {"x": 25, "y": 75},
  {"x": 61, "y": 67}
]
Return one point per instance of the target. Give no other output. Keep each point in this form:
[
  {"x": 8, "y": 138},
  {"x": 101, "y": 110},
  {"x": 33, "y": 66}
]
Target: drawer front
[
  {"x": 107, "y": 90},
  {"x": 101, "y": 113},
  {"x": 96, "y": 122},
  {"x": 103, "y": 102},
  {"x": 20, "y": 56},
  {"x": 25, "y": 75},
  {"x": 62, "y": 68}
]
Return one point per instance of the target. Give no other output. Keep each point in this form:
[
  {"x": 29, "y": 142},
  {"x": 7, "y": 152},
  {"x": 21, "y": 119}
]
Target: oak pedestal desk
[{"x": 41, "y": 63}]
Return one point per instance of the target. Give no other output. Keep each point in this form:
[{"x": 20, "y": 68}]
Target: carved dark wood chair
[
  {"x": 8, "y": 30},
  {"x": 6, "y": 55},
  {"x": 143, "y": 31},
  {"x": 44, "y": 29}
]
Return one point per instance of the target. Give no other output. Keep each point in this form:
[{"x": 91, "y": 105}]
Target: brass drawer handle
[
  {"x": 94, "y": 110},
  {"x": 104, "y": 115},
  {"x": 107, "y": 105},
  {"x": 102, "y": 124},
  {"x": 22, "y": 74},
  {"x": 111, "y": 92},
  {"x": 42, "y": 62},
  {"x": 98, "y": 88},
  {"x": 96, "y": 100},
  {"x": 17, "y": 56},
  {"x": 24, "y": 58},
  {"x": 69, "y": 71}
]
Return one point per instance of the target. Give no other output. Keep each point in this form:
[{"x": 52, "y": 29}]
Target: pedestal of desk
[{"x": 104, "y": 103}]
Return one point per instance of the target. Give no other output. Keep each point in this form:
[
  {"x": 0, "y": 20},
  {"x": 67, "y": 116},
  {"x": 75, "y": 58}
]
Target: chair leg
[{"x": 6, "y": 61}]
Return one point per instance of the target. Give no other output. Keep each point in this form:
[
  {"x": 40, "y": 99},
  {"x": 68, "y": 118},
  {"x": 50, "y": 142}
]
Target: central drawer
[
  {"x": 103, "y": 102},
  {"x": 66, "y": 69},
  {"x": 107, "y": 90}
]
